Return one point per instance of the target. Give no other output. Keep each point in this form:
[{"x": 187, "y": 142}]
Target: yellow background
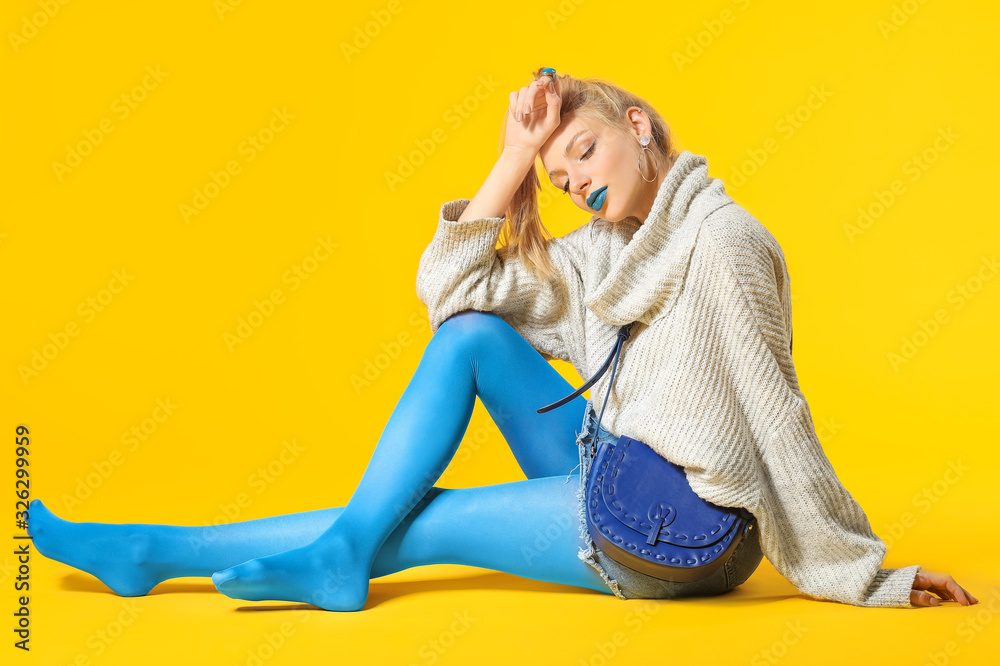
[{"x": 896, "y": 74}]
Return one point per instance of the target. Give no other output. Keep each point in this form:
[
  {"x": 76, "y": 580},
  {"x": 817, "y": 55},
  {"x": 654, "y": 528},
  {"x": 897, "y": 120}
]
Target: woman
[{"x": 706, "y": 380}]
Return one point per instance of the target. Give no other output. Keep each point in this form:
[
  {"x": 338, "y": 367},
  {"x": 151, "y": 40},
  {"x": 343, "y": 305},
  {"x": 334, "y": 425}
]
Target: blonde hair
[{"x": 523, "y": 235}]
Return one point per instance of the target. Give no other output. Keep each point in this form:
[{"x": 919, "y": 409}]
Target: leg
[
  {"x": 527, "y": 528},
  {"x": 471, "y": 354},
  {"x": 512, "y": 382}
]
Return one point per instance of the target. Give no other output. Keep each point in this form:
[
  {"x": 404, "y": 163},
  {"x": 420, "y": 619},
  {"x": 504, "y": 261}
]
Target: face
[{"x": 596, "y": 166}]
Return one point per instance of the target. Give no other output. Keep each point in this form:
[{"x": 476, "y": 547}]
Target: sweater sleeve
[
  {"x": 461, "y": 270},
  {"x": 814, "y": 532},
  {"x": 823, "y": 543}
]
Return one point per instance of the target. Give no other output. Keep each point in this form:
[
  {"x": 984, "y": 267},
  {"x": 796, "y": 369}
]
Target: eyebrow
[{"x": 569, "y": 147}]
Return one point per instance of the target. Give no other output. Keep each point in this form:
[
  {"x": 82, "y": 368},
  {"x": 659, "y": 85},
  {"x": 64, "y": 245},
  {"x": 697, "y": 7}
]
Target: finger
[
  {"x": 553, "y": 105},
  {"x": 922, "y": 598},
  {"x": 958, "y": 594},
  {"x": 946, "y": 588},
  {"x": 512, "y": 104},
  {"x": 942, "y": 591},
  {"x": 545, "y": 89},
  {"x": 522, "y": 99},
  {"x": 532, "y": 102}
]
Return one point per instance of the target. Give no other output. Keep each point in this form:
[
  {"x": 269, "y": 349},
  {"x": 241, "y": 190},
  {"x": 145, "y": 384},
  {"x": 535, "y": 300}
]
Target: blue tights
[{"x": 396, "y": 518}]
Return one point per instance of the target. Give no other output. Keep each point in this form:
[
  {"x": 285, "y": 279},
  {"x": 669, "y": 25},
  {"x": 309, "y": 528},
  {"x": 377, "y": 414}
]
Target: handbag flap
[{"x": 650, "y": 496}]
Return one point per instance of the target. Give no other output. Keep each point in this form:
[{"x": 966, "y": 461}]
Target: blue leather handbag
[{"x": 641, "y": 510}]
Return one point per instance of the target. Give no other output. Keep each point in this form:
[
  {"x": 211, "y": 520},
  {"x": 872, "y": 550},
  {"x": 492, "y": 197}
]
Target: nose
[{"x": 580, "y": 186}]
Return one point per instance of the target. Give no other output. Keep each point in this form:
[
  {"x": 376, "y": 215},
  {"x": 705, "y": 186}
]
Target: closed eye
[{"x": 587, "y": 154}]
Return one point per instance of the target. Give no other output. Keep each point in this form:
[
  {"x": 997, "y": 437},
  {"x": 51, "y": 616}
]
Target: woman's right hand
[
  {"x": 533, "y": 115},
  {"x": 943, "y": 585}
]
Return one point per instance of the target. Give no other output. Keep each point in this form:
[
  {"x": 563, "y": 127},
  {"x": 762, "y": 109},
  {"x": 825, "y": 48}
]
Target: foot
[
  {"x": 118, "y": 555},
  {"x": 327, "y": 573}
]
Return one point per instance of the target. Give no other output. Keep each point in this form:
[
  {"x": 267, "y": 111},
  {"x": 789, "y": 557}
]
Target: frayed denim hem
[{"x": 583, "y": 439}]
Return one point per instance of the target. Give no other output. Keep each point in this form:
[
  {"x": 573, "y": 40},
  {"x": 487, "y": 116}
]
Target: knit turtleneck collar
[{"x": 646, "y": 276}]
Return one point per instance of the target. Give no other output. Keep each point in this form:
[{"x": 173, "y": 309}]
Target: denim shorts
[{"x": 627, "y": 583}]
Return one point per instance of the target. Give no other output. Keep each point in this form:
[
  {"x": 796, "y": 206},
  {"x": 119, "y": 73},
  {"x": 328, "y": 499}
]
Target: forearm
[{"x": 500, "y": 185}]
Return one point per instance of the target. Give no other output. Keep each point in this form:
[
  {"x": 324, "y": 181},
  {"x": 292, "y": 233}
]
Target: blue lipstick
[{"x": 596, "y": 198}]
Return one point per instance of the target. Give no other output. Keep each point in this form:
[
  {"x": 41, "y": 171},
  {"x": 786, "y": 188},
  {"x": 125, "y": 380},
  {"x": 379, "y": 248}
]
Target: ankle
[{"x": 357, "y": 543}]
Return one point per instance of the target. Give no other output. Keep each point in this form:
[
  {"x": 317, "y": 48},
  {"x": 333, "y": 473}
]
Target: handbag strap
[{"x": 623, "y": 335}]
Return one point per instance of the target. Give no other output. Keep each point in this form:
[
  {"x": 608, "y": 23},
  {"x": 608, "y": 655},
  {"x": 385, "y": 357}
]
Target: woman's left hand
[{"x": 942, "y": 585}]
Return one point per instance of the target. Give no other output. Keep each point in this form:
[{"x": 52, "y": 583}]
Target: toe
[{"x": 220, "y": 577}]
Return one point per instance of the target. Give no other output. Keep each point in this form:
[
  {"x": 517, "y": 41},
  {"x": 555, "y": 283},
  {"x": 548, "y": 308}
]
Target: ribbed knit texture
[{"x": 706, "y": 378}]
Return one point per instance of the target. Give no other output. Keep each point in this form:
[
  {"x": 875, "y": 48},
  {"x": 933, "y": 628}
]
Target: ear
[{"x": 639, "y": 120}]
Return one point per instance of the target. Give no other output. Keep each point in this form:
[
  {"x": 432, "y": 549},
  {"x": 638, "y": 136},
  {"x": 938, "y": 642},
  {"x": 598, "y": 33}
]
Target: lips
[{"x": 596, "y": 198}]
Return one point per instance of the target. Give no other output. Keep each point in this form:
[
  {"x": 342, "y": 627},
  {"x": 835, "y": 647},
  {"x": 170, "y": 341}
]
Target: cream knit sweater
[{"x": 706, "y": 378}]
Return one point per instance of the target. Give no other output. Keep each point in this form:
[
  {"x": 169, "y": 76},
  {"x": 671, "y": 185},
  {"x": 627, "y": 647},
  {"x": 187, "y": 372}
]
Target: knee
[{"x": 471, "y": 327}]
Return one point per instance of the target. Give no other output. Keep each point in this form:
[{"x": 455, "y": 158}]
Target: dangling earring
[
  {"x": 644, "y": 145},
  {"x": 644, "y": 142}
]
